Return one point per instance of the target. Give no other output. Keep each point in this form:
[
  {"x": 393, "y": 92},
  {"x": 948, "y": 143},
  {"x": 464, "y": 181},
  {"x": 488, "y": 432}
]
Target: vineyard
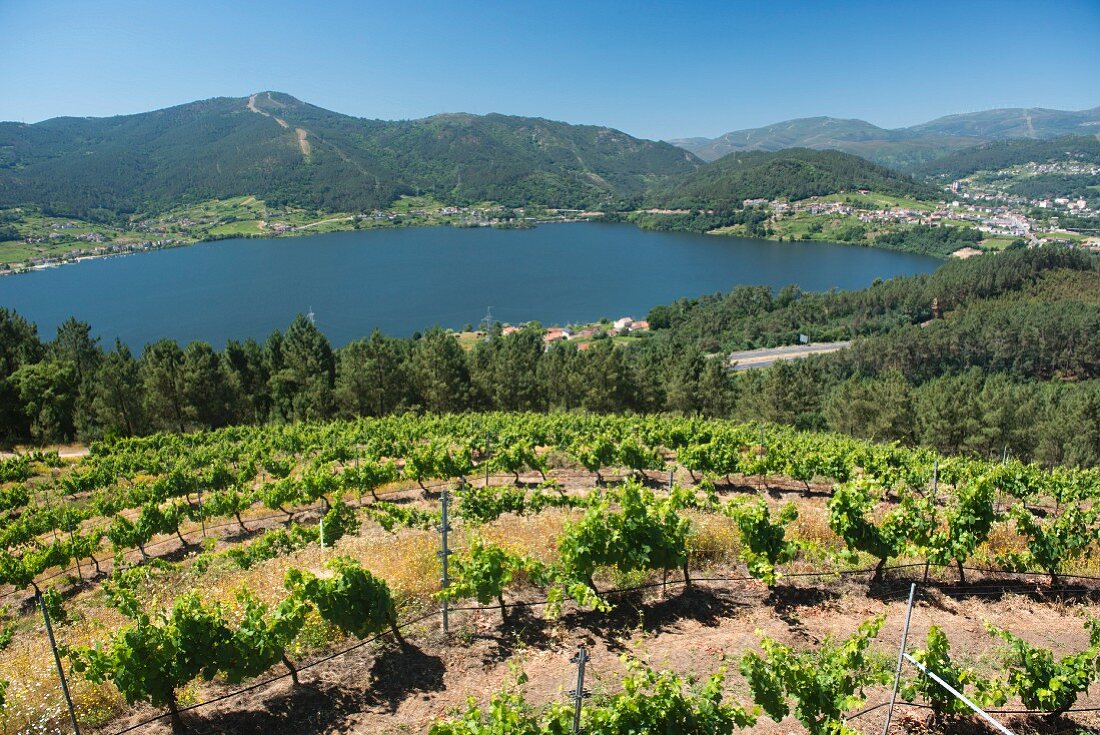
[{"x": 723, "y": 576}]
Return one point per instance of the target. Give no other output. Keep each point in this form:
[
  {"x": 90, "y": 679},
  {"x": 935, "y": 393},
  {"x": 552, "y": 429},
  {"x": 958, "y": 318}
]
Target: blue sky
[{"x": 658, "y": 70}]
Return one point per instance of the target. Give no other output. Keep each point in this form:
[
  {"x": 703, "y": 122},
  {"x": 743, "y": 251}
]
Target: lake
[{"x": 404, "y": 280}]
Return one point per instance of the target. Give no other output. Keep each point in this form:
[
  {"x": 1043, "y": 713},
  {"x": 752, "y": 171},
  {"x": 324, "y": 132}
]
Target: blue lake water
[{"x": 404, "y": 280}]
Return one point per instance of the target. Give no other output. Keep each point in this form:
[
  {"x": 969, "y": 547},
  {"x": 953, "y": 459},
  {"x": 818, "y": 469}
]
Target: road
[{"x": 752, "y": 359}]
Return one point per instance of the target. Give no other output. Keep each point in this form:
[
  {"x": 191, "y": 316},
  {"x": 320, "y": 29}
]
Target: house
[
  {"x": 623, "y": 324},
  {"x": 555, "y": 334},
  {"x": 509, "y": 330}
]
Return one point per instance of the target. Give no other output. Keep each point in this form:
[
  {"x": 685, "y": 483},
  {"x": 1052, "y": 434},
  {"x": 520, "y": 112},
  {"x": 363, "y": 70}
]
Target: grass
[
  {"x": 802, "y": 226},
  {"x": 1063, "y": 235},
  {"x": 997, "y": 243},
  {"x": 882, "y": 201}
]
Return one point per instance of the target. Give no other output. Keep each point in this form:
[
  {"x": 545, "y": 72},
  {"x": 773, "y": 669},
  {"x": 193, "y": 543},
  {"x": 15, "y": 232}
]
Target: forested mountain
[
  {"x": 902, "y": 148},
  {"x": 796, "y": 173},
  {"x": 1003, "y": 154},
  {"x": 276, "y": 147}
]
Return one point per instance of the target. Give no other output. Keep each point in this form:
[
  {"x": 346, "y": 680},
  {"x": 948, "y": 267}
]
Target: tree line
[{"x": 1014, "y": 366}]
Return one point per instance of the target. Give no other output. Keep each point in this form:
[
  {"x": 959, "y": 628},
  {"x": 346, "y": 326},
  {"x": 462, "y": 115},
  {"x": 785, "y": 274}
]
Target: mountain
[
  {"x": 1006, "y": 153},
  {"x": 795, "y": 173},
  {"x": 903, "y": 148},
  {"x": 808, "y": 132},
  {"x": 283, "y": 150},
  {"x": 1017, "y": 122}
]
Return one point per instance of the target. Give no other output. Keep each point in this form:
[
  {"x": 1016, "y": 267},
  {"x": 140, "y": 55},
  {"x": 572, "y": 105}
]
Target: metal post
[
  {"x": 901, "y": 655},
  {"x": 487, "y": 440},
  {"x": 57, "y": 661},
  {"x": 321, "y": 533},
  {"x": 935, "y": 489},
  {"x": 579, "y": 692},
  {"x": 962, "y": 697},
  {"x": 49, "y": 508},
  {"x": 443, "y": 554},
  {"x": 671, "y": 475},
  {"x": 72, "y": 545},
  {"x": 202, "y": 516}
]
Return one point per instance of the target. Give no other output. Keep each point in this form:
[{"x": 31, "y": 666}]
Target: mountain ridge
[{"x": 905, "y": 147}]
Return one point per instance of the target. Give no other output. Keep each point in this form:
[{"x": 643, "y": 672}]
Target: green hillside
[
  {"x": 285, "y": 151},
  {"x": 1003, "y": 154},
  {"x": 797, "y": 173}
]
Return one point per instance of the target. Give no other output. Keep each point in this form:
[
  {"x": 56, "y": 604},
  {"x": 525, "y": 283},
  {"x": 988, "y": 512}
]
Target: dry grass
[
  {"x": 713, "y": 540},
  {"x": 34, "y": 700}
]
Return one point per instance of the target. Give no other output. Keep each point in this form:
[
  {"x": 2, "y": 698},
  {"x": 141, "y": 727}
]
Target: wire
[{"x": 271, "y": 680}]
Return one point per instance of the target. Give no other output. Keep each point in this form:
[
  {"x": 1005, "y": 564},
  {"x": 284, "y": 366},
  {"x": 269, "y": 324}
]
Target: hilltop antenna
[{"x": 311, "y": 316}]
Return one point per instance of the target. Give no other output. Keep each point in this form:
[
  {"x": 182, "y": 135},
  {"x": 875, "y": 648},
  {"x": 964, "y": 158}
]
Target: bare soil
[{"x": 381, "y": 688}]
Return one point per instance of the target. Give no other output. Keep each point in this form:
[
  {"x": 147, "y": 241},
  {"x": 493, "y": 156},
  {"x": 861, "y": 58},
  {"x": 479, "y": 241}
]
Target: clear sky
[{"x": 657, "y": 70}]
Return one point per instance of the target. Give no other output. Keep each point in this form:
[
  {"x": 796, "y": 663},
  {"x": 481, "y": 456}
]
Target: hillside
[
  {"x": 1003, "y": 154},
  {"x": 796, "y": 173},
  {"x": 903, "y": 148},
  {"x": 285, "y": 151}
]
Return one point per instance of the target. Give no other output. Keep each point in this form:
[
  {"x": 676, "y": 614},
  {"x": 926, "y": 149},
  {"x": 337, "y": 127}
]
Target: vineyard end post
[
  {"x": 57, "y": 661},
  {"x": 72, "y": 545},
  {"x": 579, "y": 693},
  {"x": 487, "y": 448},
  {"x": 935, "y": 490},
  {"x": 202, "y": 516},
  {"x": 901, "y": 658},
  {"x": 444, "y": 552}
]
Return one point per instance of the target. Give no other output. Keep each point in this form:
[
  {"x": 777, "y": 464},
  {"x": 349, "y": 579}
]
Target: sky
[{"x": 652, "y": 69}]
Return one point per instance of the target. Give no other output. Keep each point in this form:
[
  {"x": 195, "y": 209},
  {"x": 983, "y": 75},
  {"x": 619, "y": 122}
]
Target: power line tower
[
  {"x": 487, "y": 323},
  {"x": 311, "y": 316}
]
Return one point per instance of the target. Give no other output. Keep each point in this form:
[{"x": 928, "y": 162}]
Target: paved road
[{"x": 751, "y": 359}]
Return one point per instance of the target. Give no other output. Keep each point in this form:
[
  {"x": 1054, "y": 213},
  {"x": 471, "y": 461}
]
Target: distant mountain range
[
  {"x": 903, "y": 148},
  {"x": 287, "y": 152}
]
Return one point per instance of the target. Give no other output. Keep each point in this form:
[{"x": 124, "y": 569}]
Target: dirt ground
[{"x": 383, "y": 689}]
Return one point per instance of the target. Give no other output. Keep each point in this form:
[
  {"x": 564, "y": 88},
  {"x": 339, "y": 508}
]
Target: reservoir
[{"x": 406, "y": 280}]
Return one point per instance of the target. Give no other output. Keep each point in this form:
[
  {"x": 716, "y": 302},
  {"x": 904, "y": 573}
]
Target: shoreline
[{"x": 63, "y": 260}]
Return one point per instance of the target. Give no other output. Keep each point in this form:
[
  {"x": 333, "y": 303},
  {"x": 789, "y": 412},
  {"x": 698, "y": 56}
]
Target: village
[
  {"x": 986, "y": 207},
  {"x": 622, "y": 331}
]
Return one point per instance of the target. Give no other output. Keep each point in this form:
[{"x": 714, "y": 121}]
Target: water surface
[{"x": 405, "y": 280}]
